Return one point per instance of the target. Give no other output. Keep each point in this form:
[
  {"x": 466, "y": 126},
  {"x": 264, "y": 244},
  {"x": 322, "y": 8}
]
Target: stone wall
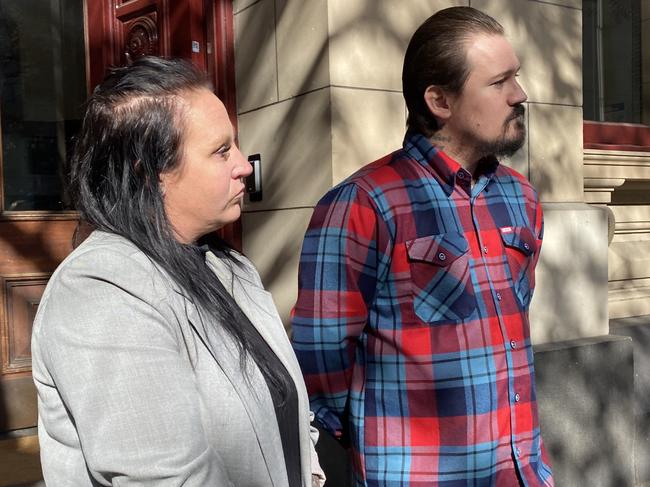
[{"x": 319, "y": 95}]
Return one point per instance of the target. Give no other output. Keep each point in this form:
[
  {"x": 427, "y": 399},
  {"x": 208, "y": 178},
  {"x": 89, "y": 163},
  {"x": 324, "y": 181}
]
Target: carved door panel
[
  {"x": 198, "y": 30},
  {"x": 51, "y": 55}
]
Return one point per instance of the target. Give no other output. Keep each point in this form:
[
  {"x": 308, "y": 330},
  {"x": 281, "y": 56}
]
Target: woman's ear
[
  {"x": 164, "y": 179},
  {"x": 438, "y": 103}
]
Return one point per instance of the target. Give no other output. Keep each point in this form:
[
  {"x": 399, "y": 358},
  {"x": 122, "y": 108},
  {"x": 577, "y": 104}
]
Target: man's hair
[
  {"x": 132, "y": 132},
  {"x": 437, "y": 55}
]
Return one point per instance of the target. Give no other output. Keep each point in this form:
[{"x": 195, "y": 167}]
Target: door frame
[{"x": 186, "y": 25}]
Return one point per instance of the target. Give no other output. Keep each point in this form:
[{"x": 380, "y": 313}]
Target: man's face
[{"x": 488, "y": 115}]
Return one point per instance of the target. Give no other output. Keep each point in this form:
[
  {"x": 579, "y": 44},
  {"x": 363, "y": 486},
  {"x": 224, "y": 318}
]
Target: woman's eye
[{"x": 224, "y": 151}]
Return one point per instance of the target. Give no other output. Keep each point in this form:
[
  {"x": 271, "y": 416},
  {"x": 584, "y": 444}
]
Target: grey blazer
[{"x": 130, "y": 393}]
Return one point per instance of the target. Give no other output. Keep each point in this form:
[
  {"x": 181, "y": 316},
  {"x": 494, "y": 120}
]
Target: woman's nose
[{"x": 242, "y": 167}]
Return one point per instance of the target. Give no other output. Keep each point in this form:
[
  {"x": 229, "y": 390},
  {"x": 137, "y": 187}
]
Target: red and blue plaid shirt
[{"x": 411, "y": 324}]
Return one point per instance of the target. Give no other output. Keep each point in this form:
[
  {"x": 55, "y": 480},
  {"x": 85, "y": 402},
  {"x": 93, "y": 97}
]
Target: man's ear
[{"x": 438, "y": 102}]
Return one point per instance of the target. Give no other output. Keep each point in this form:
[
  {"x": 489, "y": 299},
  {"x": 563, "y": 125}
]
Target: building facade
[
  {"x": 316, "y": 88},
  {"x": 321, "y": 96}
]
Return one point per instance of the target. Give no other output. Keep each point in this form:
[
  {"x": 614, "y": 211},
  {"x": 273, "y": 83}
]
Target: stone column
[
  {"x": 571, "y": 295},
  {"x": 319, "y": 95}
]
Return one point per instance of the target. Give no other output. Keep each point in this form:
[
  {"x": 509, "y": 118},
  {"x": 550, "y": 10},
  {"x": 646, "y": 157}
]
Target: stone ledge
[
  {"x": 638, "y": 329},
  {"x": 607, "y": 170},
  {"x": 585, "y": 390}
]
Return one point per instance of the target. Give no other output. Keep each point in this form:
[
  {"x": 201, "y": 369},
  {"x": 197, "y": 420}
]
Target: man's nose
[{"x": 519, "y": 96}]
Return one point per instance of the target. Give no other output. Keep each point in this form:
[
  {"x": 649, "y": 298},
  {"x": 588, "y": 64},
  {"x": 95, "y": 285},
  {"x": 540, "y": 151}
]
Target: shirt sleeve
[{"x": 343, "y": 259}]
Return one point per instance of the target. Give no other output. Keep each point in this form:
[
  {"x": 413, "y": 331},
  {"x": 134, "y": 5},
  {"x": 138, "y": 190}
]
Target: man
[{"x": 416, "y": 275}]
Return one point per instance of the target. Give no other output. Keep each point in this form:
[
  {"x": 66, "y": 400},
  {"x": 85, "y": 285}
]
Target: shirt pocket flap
[
  {"x": 440, "y": 250},
  {"x": 520, "y": 238}
]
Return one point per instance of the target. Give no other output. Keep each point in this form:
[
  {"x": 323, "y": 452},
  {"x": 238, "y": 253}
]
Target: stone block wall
[
  {"x": 319, "y": 95},
  {"x": 585, "y": 391},
  {"x": 638, "y": 329}
]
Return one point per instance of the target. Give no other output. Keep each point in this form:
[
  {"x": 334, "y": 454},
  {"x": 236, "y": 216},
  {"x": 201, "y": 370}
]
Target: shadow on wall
[
  {"x": 587, "y": 417},
  {"x": 570, "y": 299},
  {"x": 547, "y": 38},
  {"x": 298, "y": 149}
]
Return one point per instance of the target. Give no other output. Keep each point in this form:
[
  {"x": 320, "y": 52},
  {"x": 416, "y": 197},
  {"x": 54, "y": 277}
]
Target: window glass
[
  {"x": 42, "y": 88},
  {"x": 614, "y": 75}
]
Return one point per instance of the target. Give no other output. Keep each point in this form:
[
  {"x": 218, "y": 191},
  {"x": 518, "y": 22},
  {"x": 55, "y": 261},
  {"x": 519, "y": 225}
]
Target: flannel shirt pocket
[
  {"x": 521, "y": 245},
  {"x": 440, "y": 278}
]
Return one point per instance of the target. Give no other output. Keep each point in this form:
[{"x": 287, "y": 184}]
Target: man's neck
[{"x": 454, "y": 147}]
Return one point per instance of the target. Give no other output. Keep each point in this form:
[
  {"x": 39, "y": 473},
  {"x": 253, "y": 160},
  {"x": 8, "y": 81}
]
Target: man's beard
[{"x": 506, "y": 146}]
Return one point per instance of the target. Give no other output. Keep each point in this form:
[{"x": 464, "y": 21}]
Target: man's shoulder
[{"x": 373, "y": 176}]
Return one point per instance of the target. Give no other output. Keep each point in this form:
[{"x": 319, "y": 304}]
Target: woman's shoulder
[
  {"x": 100, "y": 276},
  {"x": 105, "y": 258},
  {"x": 107, "y": 255}
]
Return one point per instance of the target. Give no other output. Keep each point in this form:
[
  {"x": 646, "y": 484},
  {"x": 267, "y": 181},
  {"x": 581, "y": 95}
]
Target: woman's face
[{"x": 205, "y": 191}]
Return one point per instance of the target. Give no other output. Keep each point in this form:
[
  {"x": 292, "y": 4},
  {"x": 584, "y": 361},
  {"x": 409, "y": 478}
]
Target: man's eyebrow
[{"x": 507, "y": 72}]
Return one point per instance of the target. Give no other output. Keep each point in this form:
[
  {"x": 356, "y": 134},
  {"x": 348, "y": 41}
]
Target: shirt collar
[{"x": 448, "y": 171}]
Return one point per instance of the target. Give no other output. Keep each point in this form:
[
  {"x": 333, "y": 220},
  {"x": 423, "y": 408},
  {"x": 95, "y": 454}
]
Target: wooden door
[
  {"x": 200, "y": 30},
  {"x": 51, "y": 55}
]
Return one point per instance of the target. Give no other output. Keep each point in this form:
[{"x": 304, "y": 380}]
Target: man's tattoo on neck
[{"x": 439, "y": 140}]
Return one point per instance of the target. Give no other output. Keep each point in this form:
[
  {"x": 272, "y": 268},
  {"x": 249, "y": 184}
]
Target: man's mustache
[{"x": 517, "y": 111}]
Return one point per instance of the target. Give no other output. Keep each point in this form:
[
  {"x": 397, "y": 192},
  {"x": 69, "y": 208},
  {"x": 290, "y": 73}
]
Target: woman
[{"x": 158, "y": 360}]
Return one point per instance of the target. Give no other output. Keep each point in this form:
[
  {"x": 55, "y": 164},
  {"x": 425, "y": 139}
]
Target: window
[
  {"x": 616, "y": 61},
  {"x": 42, "y": 88}
]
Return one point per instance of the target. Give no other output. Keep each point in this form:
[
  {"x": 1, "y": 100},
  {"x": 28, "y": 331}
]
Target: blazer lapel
[
  {"x": 260, "y": 309},
  {"x": 254, "y": 396}
]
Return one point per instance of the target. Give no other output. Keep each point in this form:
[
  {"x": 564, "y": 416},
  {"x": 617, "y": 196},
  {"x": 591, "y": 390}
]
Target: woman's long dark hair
[{"x": 131, "y": 133}]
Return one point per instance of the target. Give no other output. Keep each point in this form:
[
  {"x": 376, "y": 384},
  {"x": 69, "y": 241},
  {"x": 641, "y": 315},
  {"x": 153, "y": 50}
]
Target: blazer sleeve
[{"x": 122, "y": 372}]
